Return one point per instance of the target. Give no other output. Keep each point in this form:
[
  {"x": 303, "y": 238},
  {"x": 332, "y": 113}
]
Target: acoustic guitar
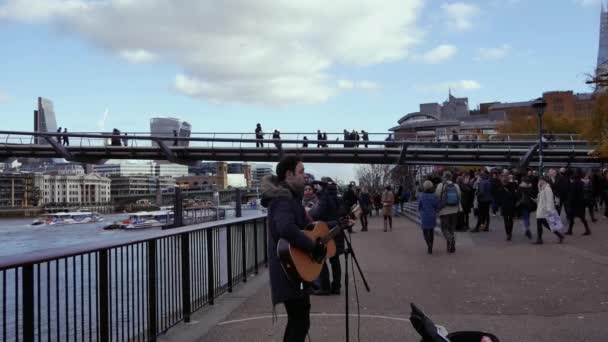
[{"x": 299, "y": 265}]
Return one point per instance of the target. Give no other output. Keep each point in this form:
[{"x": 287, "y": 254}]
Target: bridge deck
[{"x": 516, "y": 290}]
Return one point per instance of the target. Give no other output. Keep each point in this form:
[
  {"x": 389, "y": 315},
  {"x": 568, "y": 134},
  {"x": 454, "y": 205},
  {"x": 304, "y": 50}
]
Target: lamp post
[{"x": 540, "y": 105}]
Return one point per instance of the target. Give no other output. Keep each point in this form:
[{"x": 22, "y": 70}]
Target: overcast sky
[{"x": 291, "y": 65}]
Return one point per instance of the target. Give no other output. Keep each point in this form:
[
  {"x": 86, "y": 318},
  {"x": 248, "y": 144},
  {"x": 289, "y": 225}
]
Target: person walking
[
  {"x": 259, "y": 135},
  {"x": 449, "y": 203},
  {"x": 507, "y": 197},
  {"x": 125, "y": 140},
  {"x": 484, "y": 199},
  {"x": 59, "y": 136},
  {"x": 526, "y": 204},
  {"x": 365, "y": 204},
  {"x": 545, "y": 208},
  {"x": 388, "y": 200},
  {"x": 377, "y": 199},
  {"x": 576, "y": 204},
  {"x": 175, "y": 141},
  {"x": 319, "y": 138},
  {"x": 589, "y": 191},
  {"x": 365, "y": 137},
  {"x": 276, "y": 136},
  {"x": 66, "y": 138},
  {"x": 428, "y": 206},
  {"x": 468, "y": 197}
]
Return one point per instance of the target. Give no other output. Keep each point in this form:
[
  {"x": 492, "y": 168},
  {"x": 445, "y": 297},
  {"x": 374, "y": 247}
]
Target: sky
[{"x": 296, "y": 66}]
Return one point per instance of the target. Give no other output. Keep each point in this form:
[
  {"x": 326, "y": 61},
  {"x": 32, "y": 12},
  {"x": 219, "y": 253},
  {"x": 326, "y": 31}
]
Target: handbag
[{"x": 555, "y": 222}]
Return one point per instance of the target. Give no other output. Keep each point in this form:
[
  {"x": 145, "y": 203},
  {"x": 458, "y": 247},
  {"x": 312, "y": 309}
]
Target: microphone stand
[{"x": 348, "y": 250}]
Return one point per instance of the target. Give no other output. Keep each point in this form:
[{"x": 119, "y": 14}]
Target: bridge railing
[
  {"x": 133, "y": 290},
  {"x": 287, "y": 140}
]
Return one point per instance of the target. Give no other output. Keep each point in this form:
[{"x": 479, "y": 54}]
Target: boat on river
[{"x": 66, "y": 218}]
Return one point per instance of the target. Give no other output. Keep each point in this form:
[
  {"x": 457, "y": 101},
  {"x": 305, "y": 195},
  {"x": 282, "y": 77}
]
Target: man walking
[{"x": 449, "y": 201}]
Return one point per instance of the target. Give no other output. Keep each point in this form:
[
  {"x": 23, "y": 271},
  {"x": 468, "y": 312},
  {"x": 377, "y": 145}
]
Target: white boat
[
  {"x": 65, "y": 218},
  {"x": 146, "y": 219}
]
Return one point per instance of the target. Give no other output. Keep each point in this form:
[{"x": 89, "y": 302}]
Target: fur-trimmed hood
[{"x": 272, "y": 188}]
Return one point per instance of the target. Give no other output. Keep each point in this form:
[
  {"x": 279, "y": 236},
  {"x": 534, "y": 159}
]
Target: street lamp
[{"x": 540, "y": 105}]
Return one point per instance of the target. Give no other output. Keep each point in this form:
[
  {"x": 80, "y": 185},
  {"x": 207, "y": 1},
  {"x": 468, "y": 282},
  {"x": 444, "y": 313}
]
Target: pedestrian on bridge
[
  {"x": 66, "y": 139},
  {"x": 428, "y": 206},
  {"x": 175, "y": 142},
  {"x": 319, "y": 138},
  {"x": 59, "y": 139},
  {"x": 259, "y": 136},
  {"x": 305, "y": 143},
  {"x": 125, "y": 140},
  {"x": 276, "y": 136},
  {"x": 365, "y": 137}
]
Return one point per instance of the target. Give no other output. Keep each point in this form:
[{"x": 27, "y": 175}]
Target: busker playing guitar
[{"x": 282, "y": 195}]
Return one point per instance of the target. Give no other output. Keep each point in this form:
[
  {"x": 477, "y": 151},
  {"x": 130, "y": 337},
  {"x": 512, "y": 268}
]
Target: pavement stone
[{"x": 518, "y": 291}]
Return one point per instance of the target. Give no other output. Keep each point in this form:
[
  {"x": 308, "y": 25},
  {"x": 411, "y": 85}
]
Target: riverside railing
[{"x": 129, "y": 291}]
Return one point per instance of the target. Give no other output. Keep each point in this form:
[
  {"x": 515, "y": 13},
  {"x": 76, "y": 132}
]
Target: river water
[{"x": 18, "y": 236}]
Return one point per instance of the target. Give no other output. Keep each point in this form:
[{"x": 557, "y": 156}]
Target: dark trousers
[
  {"x": 364, "y": 220},
  {"x": 540, "y": 223},
  {"x": 429, "y": 237},
  {"x": 448, "y": 225},
  {"x": 591, "y": 207},
  {"x": 484, "y": 215},
  {"x": 298, "y": 319},
  {"x": 336, "y": 275},
  {"x": 582, "y": 218},
  {"x": 508, "y": 219}
]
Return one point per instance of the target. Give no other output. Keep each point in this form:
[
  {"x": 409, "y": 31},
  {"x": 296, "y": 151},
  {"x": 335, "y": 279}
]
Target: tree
[
  {"x": 597, "y": 130},
  {"x": 552, "y": 123},
  {"x": 374, "y": 176}
]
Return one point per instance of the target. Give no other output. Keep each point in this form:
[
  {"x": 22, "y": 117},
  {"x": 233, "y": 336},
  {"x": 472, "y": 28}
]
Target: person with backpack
[
  {"x": 449, "y": 203},
  {"x": 428, "y": 205},
  {"x": 526, "y": 204}
]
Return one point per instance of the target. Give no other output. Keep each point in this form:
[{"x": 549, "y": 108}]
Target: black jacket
[
  {"x": 507, "y": 196},
  {"x": 329, "y": 209},
  {"x": 286, "y": 219}
]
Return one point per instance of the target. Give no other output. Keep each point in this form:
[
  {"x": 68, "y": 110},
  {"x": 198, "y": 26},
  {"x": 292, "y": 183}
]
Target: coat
[
  {"x": 388, "y": 199},
  {"x": 507, "y": 196},
  {"x": 329, "y": 208},
  {"x": 546, "y": 203},
  {"x": 428, "y": 206},
  {"x": 286, "y": 219},
  {"x": 576, "y": 199}
]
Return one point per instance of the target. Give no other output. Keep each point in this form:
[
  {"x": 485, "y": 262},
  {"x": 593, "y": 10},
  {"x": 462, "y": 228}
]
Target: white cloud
[
  {"x": 348, "y": 84},
  {"x": 437, "y": 55},
  {"x": 588, "y": 3},
  {"x": 485, "y": 54},
  {"x": 462, "y": 85},
  {"x": 266, "y": 51},
  {"x": 460, "y": 15},
  {"x": 137, "y": 56}
]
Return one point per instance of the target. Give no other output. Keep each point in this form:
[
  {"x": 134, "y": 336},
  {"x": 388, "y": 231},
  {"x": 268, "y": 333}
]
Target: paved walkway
[{"x": 518, "y": 291}]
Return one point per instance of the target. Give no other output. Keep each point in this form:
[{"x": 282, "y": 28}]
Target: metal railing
[{"x": 134, "y": 290}]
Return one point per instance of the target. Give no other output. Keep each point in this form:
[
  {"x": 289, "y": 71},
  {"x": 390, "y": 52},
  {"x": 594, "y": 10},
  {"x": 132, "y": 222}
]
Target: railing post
[
  {"x": 255, "y": 245},
  {"x": 103, "y": 288},
  {"x": 265, "y": 230},
  {"x": 229, "y": 256},
  {"x": 210, "y": 281},
  {"x": 185, "y": 247},
  {"x": 244, "y": 252},
  {"x": 237, "y": 195},
  {"x": 151, "y": 290},
  {"x": 27, "y": 286}
]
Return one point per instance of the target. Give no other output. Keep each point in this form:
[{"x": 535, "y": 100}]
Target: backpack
[{"x": 449, "y": 196}]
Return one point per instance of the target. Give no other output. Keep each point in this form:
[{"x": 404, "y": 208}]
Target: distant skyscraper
[
  {"x": 602, "y": 54},
  {"x": 166, "y": 126},
  {"x": 44, "y": 118}
]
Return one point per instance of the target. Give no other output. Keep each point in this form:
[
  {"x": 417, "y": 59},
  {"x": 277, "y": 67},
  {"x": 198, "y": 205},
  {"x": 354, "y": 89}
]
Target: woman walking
[
  {"x": 507, "y": 198},
  {"x": 388, "y": 200},
  {"x": 576, "y": 203},
  {"x": 365, "y": 204},
  {"x": 428, "y": 206},
  {"x": 546, "y": 207},
  {"x": 526, "y": 204}
]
